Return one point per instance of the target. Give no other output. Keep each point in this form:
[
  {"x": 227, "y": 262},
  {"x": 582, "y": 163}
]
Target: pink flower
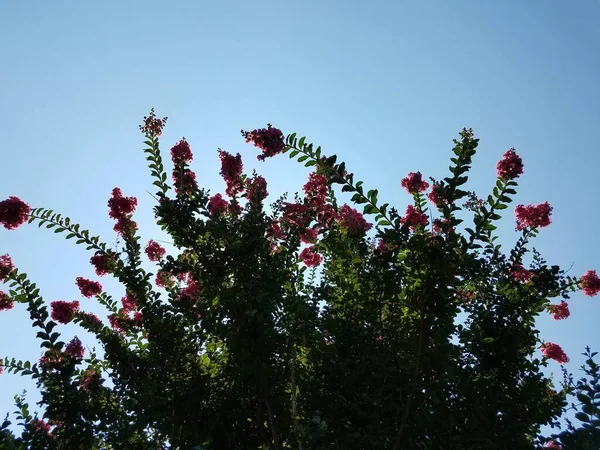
[
  {"x": 533, "y": 216},
  {"x": 315, "y": 190},
  {"x": 125, "y": 226},
  {"x": 231, "y": 171},
  {"x": 269, "y": 140},
  {"x": 90, "y": 380},
  {"x": 190, "y": 292},
  {"x": 560, "y": 311},
  {"x": 118, "y": 323},
  {"x": 413, "y": 218},
  {"x": 217, "y": 205},
  {"x": 154, "y": 251},
  {"x": 138, "y": 318},
  {"x": 435, "y": 196},
  {"x": 119, "y": 206},
  {"x": 164, "y": 279},
  {"x": 275, "y": 231},
  {"x": 256, "y": 189},
  {"x": 383, "y": 247},
  {"x": 74, "y": 349},
  {"x": 185, "y": 181},
  {"x": 590, "y": 283},
  {"x": 88, "y": 288},
  {"x": 101, "y": 262},
  {"x": 553, "y": 351},
  {"x": 50, "y": 360},
  {"x": 40, "y": 426},
  {"x": 353, "y": 221},
  {"x": 309, "y": 236},
  {"x": 296, "y": 215},
  {"x": 129, "y": 303},
  {"x": 181, "y": 153},
  {"x": 13, "y": 212},
  {"x": 310, "y": 257},
  {"x": 413, "y": 183},
  {"x": 520, "y": 273},
  {"x": 6, "y": 302},
  {"x": 553, "y": 445},
  {"x": 510, "y": 166},
  {"x": 1, "y": 367},
  {"x": 6, "y": 267},
  {"x": 153, "y": 126},
  {"x": 89, "y": 319},
  {"x": 62, "y": 311},
  {"x": 326, "y": 214}
]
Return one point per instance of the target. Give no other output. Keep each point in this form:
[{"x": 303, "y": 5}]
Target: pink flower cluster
[
  {"x": 129, "y": 303},
  {"x": 315, "y": 190},
  {"x": 555, "y": 352},
  {"x": 510, "y": 166},
  {"x": 310, "y": 257},
  {"x": 6, "y": 302},
  {"x": 560, "y": 311},
  {"x": 442, "y": 226},
  {"x": 383, "y": 247},
  {"x": 231, "y": 171},
  {"x": 63, "y": 312},
  {"x": 6, "y": 267},
  {"x": 164, "y": 279},
  {"x": 190, "y": 292},
  {"x": 296, "y": 215},
  {"x": 89, "y": 319},
  {"x": 217, "y": 205},
  {"x": 154, "y": 251},
  {"x": 533, "y": 216},
  {"x": 435, "y": 196},
  {"x": 14, "y": 212},
  {"x": 256, "y": 189},
  {"x": 414, "y": 218},
  {"x": 353, "y": 221},
  {"x": 89, "y": 380},
  {"x": 181, "y": 153},
  {"x": 184, "y": 180},
  {"x": 590, "y": 283},
  {"x": 152, "y": 125},
  {"x": 553, "y": 445},
  {"x": 269, "y": 140},
  {"x": 310, "y": 235},
  {"x": 414, "y": 183},
  {"x": 101, "y": 263},
  {"x": 121, "y": 208},
  {"x": 88, "y": 288},
  {"x": 40, "y": 426},
  {"x": 520, "y": 273},
  {"x": 74, "y": 349}
]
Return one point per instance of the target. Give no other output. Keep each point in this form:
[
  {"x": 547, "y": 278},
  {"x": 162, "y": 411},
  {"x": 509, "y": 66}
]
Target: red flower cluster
[
  {"x": 510, "y": 166},
  {"x": 560, "y": 311},
  {"x": 310, "y": 235},
  {"x": 533, "y": 216},
  {"x": 6, "y": 302},
  {"x": 590, "y": 283},
  {"x": 231, "y": 171},
  {"x": 74, "y": 349},
  {"x": 383, "y": 247},
  {"x": 553, "y": 351},
  {"x": 129, "y": 303},
  {"x": 6, "y": 267},
  {"x": 153, "y": 126},
  {"x": 181, "y": 153},
  {"x": 310, "y": 257},
  {"x": 101, "y": 262},
  {"x": 154, "y": 251},
  {"x": 120, "y": 209},
  {"x": 89, "y": 319},
  {"x": 50, "y": 360},
  {"x": 190, "y": 292},
  {"x": 353, "y": 221},
  {"x": 88, "y": 288},
  {"x": 296, "y": 215},
  {"x": 90, "y": 380},
  {"x": 269, "y": 140},
  {"x": 413, "y": 218},
  {"x": 315, "y": 190},
  {"x": 119, "y": 323},
  {"x": 435, "y": 196},
  {"x": 256, "y": 189},
  {"x": 520, "y": 273},
  {"x": 217, "y": 205},
  {"x": 184, "y": 181},
  {"x": 62, "y": 311},
  {"x": 413, "y": 183},
  {"x": 39, "y": 426},
  {"x": 553, "y": 445},
  {"x": 13, "y": 212},
  {"x": 275, "y": 231}
]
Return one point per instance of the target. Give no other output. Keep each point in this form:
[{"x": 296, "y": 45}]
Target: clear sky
[{"x": 385, "y": 85}]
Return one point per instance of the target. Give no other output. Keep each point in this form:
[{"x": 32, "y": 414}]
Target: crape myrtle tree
[{"x": 292, "y": 326}]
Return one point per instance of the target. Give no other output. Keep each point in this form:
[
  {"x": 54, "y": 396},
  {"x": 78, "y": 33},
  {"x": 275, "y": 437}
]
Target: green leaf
[{"x": 583, "y": 417}]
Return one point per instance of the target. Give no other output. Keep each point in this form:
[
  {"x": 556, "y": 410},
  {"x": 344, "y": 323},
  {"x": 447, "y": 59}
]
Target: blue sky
[{"x": 384, "y": 85}]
